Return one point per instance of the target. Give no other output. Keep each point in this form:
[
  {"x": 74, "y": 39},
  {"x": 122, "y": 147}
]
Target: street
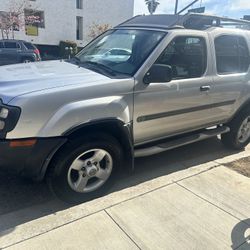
[
  {"x": 28, "y": 209},
  {"x": 18, "y": 193}
]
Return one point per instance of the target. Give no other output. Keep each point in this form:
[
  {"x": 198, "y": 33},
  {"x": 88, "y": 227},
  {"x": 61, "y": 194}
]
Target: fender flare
[
  {"x": 242, "y": 107},
  {"x": 125, "y": 131}
]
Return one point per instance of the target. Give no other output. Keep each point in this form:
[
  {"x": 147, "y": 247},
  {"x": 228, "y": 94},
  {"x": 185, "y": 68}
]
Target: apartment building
[{"x": 67, "y": 19}]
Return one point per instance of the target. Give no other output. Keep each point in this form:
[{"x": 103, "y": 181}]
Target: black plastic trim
[
  {"x": 28, "y": 161},
  {"x": 183, "y": 111},
  {"x": 126, "y": 130},
  {"x": 11, "y": 120}
]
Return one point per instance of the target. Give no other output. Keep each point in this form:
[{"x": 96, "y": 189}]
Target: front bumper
[{"x": 28, "y": 159}]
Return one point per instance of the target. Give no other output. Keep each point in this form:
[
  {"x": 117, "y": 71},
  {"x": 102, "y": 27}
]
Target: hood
[{"x": 20, "y": 79}]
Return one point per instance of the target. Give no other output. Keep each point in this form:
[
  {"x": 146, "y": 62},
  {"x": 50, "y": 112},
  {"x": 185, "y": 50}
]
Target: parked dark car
[{"x": 18, "y": 51}]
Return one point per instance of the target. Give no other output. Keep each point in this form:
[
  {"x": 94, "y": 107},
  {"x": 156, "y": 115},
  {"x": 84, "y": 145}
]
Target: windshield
[{"x": 120, "y": 51}]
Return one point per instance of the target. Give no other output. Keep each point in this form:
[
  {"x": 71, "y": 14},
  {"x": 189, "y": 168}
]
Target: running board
[{"x": 181, "y": 141}]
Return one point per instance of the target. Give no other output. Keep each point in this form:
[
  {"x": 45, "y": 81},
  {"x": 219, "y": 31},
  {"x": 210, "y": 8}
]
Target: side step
[{"x": 181, "y": 141}]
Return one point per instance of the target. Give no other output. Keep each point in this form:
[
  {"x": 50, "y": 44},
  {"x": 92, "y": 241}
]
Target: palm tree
[{"x": 152, "y": 5}]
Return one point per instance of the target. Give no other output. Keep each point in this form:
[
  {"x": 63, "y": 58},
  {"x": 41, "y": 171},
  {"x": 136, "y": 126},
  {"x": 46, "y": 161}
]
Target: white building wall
[{"x": 60, "y": 18}]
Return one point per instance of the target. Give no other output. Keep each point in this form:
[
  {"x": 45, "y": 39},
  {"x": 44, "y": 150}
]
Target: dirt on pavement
[{"x": 242, "y": 166}]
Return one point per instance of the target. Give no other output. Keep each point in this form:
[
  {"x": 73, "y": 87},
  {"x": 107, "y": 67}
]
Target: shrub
[{"x": 64, "y": 53}]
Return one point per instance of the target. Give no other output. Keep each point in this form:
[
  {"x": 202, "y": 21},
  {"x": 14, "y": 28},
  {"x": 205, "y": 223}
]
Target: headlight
[
  {"x": 4, "y": 113},
  {"x": 9, "y": 116}
]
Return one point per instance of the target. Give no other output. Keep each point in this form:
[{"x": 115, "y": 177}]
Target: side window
[
  {"x": 187, "y": 56},
  {"x": 1, "y": 45},
  {"x": 232, "y": 55},
  {"x": 11, "y": 45}
]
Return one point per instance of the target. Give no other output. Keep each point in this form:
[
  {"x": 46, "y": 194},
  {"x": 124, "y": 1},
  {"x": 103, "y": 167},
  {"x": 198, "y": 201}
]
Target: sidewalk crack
[
  {"x": 110, "y": 216},
  {"x": 211, "y": 203}
]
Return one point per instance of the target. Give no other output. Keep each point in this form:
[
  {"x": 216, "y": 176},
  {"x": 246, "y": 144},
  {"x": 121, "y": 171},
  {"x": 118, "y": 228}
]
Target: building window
[
  {"x": 232, "y": 55},
  {"x": 79, "y": 4},
  {"x": 34, "y": 18},
  {"x": 79, "y": 28}
]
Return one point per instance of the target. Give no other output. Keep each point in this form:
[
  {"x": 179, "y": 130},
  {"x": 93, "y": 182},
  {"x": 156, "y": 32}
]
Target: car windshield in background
[{"x": 120, "y": 51}]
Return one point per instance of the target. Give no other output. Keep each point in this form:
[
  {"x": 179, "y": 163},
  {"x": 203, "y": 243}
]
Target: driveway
[{"x": 181, "y": 199}]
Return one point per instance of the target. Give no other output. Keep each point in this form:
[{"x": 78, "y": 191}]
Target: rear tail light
[{"x": 36, "y": 51}]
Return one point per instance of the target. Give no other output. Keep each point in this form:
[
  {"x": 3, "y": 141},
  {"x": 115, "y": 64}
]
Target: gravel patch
[{"x": 241, "y": 166}]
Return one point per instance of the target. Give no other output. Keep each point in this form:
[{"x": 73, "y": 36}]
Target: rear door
[
  {"x": 231, "y": 54},
  {"x": 11, "y": 52}
]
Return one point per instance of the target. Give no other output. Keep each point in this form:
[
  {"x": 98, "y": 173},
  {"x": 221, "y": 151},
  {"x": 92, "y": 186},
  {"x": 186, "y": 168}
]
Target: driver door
[{"x": 181, "y": 105}]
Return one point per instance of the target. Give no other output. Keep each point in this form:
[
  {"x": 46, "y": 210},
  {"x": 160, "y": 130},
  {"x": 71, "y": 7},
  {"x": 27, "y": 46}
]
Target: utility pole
[
  {"x": 176, "y": 7},
  {"x": 195, "y": 1}
]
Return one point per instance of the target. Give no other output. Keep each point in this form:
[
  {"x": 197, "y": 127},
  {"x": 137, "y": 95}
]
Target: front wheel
[
  {"x": 85, "y": 168},
  {"x": 239, "y": 134}
]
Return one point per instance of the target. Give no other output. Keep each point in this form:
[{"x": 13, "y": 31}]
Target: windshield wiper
[
  {"x": 98, "y": 66},
  {"x": 76, "y": 59}
]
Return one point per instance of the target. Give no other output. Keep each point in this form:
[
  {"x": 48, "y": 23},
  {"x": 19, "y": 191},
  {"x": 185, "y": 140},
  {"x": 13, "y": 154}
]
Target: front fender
[{"x": 76, "y": 113}]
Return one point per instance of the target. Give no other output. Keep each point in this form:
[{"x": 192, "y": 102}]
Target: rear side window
[
  {"x": 1, "y": 45},
  {"x": 187, "y": 56},
  {"x": 232, "y": 54},
  {"x": 11, "y": 45},
  {"x": 29, "y": 46}
]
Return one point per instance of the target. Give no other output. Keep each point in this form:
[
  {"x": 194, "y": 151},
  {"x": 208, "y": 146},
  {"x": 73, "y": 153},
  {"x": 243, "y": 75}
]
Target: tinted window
[
  {"x": 29, "y": 46},
  {"x": 232, "y": 55},
  {"x": 11, "y": 45},
  {"x": 1, "y": 45},
  {"x": 187, "y": 56}
]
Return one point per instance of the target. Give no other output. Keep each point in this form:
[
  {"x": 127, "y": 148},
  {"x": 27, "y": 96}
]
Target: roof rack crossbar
[{"x": 204, "y": 21}]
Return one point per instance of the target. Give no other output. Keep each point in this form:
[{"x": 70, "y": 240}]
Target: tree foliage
[
  {"x": 152, "y": 5},
  {"x": 97, "y": 29},
  {"x": 14, "y": 18}
]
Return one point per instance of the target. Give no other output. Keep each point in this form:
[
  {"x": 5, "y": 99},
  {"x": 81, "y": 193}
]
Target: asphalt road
[{"x": 17, "y": 193}]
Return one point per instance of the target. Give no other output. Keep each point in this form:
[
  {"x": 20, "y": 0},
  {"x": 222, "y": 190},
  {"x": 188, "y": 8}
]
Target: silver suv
[{"x": 77, "y": 123}]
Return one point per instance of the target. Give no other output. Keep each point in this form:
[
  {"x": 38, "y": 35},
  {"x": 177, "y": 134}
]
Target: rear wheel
[
  {"x": 239, "y": 135},
  {"x": 27, "y": 60},
  {"x": 86, "y": 168}
]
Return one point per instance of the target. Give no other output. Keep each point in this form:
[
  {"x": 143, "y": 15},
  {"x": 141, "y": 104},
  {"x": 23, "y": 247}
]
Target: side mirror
[{"x": 158, "y": 73}]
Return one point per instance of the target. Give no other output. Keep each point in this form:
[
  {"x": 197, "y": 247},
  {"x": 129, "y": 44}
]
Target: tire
[
  {"x": 77, "y": 161},
  {"x": 233, "y": 140},
  {"x": 27, "y": 60}
]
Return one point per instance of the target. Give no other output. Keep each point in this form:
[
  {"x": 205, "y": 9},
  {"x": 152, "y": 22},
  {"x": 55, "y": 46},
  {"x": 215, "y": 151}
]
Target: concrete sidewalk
[{"x": 206, "y": 206}]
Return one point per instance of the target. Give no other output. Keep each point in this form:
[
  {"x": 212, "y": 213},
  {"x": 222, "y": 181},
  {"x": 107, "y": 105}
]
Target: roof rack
[
  {"x": 204, "y": 21},
  {"x": 189, "y": 21}
]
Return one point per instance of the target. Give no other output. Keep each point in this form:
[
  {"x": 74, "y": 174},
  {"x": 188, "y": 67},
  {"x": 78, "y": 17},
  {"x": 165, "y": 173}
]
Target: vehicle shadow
[
  {"x": 241, "y": 233},
  {"x": 33, "y": 200}
]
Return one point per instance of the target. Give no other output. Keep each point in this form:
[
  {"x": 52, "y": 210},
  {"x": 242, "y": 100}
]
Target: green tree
[{"x": 152, "y": 5}]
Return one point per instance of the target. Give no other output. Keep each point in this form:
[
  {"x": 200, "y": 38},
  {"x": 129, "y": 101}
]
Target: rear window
[
  {"x": 232, "y": 54},
  {"x": 29, "y": 46}
]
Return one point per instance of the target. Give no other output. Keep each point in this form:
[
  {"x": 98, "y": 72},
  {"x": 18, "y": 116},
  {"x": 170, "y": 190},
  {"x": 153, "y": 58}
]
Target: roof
[
  {"x": 188, "y": 21},
  {"x": 154, "y": 21}
]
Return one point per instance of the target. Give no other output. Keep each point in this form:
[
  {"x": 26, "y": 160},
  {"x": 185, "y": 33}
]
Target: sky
[{"x": 230, "y": 8}]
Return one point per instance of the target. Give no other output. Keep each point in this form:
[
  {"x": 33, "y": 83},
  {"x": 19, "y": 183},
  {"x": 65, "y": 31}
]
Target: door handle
[{"x": 205, "y": 88}]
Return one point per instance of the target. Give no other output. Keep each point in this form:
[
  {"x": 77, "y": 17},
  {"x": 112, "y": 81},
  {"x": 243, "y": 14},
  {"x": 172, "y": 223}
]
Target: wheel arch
[
  {"x": 112, "y": 126},
  {"x": 243, "y": 106}
]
